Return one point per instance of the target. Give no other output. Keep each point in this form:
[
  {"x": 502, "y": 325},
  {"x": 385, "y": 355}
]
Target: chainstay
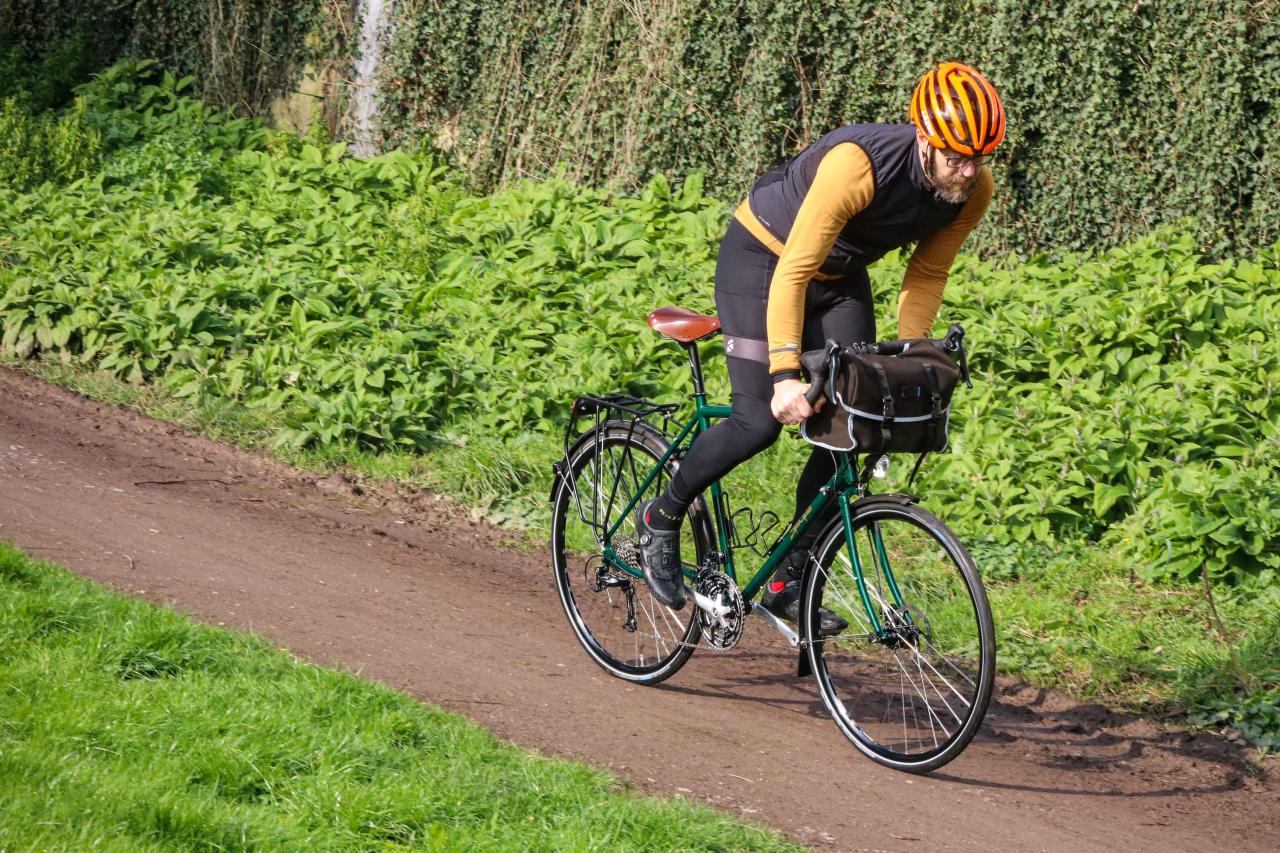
[{"x": 628, "y": 550}]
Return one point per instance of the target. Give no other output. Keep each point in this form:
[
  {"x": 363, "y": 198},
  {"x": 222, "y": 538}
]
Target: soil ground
[{"x": 403, "y": 588}]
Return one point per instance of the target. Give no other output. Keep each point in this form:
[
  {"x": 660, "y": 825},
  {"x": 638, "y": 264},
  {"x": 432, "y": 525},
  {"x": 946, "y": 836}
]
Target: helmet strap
[{"x": 930, "y": 167}]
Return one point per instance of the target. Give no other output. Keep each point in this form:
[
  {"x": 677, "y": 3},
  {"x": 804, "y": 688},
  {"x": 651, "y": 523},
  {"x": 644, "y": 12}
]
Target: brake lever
[
  {"x": 954, "y": 342},
  {"x": 822, "y": 373}
]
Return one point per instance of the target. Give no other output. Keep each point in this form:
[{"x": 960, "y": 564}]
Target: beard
[{"x": 952, "y": 187}]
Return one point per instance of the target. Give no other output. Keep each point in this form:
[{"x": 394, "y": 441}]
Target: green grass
[
  {"x": 1076, "y": 619},
  {"x": 124, "y": 726}
]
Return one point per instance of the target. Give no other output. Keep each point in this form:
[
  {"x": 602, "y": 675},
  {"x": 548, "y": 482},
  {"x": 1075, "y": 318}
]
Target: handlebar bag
[{"x": 883, "y": 403}]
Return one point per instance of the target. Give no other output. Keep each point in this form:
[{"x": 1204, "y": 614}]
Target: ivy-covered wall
[{"x": 1122, "y": 113}]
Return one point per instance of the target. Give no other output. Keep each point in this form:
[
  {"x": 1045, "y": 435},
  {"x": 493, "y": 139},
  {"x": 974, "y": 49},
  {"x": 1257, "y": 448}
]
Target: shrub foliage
[{"x": 1126, "y": 397}]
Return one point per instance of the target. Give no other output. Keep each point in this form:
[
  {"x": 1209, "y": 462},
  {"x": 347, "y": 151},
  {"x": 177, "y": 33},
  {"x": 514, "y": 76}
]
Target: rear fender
[{"x": 557, "y": 474}]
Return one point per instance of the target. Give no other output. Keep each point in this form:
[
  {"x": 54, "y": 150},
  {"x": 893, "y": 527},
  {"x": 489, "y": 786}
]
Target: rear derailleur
[{"x": 606, "y": 579}]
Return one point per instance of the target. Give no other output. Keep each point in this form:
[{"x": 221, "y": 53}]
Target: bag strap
[
  {"x": 931, "y": 431},
  {"x": 886, "y": 397},
  {"x": 931, "y": 379}
]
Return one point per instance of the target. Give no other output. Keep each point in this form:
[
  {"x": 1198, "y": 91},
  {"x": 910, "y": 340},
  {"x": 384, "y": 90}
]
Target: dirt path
[{"x": 396, "y": 589}]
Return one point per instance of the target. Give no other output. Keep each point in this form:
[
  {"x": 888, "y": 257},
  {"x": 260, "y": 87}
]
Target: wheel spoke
[
  {"x": 856, "y": 611},
  {"x": 601, "y": 479},
  {"x": 879, "y": 599},
  {"x": 899, "y": 696}
]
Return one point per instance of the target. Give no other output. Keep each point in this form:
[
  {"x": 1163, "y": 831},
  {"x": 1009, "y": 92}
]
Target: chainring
[{"x": 720, "y": 632}]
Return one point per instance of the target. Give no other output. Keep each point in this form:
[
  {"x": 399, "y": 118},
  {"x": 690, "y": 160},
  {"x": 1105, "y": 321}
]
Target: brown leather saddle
[{"x": 683, "y": 325}]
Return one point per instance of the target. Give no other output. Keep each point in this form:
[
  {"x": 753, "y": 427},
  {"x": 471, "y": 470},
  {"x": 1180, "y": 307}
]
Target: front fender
[{"x": 872, "y": 500}]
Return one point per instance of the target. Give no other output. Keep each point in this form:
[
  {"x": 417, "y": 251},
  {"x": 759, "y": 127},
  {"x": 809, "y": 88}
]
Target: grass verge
[{"x": 126, "y": 726}]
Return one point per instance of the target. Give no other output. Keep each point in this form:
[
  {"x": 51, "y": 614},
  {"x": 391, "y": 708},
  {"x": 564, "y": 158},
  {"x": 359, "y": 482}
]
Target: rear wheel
[
  {"x": 911, "y": 691},
  {"x": 615, "y": 617}
]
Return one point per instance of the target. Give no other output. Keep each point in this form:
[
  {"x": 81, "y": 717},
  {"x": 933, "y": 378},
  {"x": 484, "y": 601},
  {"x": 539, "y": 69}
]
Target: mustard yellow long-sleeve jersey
[{"x": 844, "y": 186}]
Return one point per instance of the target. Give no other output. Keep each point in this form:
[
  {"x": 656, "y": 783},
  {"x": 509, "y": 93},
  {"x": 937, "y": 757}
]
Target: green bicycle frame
[{"x": 842, "y": 487}]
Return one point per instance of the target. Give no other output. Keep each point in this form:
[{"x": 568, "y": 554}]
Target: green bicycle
[{"x": 908, "y": 682}]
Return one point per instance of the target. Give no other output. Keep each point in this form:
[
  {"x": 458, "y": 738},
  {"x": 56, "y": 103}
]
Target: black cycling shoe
[
  {"x": 782, "y": 599},
  {"x": 660, "y": 560}
]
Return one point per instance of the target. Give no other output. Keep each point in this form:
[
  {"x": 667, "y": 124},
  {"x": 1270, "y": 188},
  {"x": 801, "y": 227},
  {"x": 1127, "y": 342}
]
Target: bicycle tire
[
  {"x": 912, "y": 696},
  {"x": 603, "y": 469}
]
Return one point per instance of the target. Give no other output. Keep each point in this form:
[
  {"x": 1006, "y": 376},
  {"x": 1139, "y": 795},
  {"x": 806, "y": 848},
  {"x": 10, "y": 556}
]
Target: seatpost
[{"x": 695, "y": 365}]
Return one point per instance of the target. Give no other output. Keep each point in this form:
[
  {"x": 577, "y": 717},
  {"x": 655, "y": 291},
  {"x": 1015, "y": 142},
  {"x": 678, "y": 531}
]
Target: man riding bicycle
[{"x": 791, "y": 273}]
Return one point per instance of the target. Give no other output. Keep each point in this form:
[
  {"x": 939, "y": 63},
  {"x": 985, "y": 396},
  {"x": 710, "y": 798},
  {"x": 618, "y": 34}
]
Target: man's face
[{"x": 953, "y": 175}]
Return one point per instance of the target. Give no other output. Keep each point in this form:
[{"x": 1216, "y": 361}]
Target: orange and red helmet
[{"x": 957, "y": 109}]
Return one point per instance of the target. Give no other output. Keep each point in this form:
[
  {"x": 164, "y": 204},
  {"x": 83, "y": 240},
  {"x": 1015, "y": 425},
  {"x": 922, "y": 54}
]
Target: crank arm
[
  {"x": 709, "y": 605},
  {"x": 778, "y": 625}
]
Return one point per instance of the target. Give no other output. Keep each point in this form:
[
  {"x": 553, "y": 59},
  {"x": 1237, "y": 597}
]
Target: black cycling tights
[{"x": 841, "y": 310}]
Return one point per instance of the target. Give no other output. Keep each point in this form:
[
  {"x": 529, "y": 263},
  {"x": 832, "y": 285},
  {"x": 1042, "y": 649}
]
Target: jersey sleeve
[
  {"x": 843, "y": 186},
  {"x": 930, "y": 264}
]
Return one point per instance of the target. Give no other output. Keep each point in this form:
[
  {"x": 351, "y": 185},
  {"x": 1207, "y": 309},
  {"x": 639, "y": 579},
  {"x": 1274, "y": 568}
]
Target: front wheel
[{"x": 909, "y": 681}]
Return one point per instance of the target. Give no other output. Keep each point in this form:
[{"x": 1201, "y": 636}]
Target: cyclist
[{"x": 791, "y": 273}]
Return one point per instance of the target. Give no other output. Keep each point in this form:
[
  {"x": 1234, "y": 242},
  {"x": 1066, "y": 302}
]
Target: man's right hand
[{"x": 789, "y": 405}]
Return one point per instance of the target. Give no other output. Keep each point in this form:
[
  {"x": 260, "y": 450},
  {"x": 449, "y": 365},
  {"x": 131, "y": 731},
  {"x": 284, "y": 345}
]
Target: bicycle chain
[
  {"x": 803, "y": 644},
  {"x": 630, "y": 552}
]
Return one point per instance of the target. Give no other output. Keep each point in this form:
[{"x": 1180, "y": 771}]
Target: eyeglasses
[{"x": 956, "y": 161}]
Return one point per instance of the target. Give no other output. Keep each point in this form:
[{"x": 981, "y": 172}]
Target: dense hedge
[{"x": 1123, "y": 115}]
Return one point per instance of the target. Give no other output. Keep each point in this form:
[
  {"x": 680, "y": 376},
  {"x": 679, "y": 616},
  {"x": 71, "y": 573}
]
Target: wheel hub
[{"x": 904, "y": 625}]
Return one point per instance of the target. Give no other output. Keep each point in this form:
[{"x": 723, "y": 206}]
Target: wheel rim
[
  {"x": 913, "y": 690},
  {"x": 601, "y": 478}
]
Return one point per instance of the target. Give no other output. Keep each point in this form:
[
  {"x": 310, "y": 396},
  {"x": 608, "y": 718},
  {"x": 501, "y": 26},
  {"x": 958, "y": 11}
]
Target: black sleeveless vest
[{"x": 903, "y": 211}]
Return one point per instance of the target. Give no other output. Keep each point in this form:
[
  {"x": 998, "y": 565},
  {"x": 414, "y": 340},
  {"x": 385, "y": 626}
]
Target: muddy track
[{"x": 402, "y": 589}]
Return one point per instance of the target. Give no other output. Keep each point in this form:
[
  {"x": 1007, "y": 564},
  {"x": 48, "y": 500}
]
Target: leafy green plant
[
  {"x": 1126, "y": 398},
  {"x": 1121, "y": 431},
  {"x": 45, "y": 147}
]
